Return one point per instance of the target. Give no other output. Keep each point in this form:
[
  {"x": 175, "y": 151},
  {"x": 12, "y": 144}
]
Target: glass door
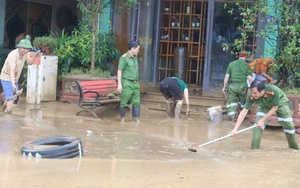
[
  {"x": 143, "y": 30},
  {"x": 222, "y": 33}
]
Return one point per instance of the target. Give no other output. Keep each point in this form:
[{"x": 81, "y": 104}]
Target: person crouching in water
[
  {"x": 269, "y": 99},
  {"x": 172, "y": 88}
]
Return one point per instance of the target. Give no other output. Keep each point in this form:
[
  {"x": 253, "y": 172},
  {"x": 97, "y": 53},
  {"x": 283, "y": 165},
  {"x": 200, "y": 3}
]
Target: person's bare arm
[
  {"x": 12, "y": 78},
  {"x": 187, "y": 101},
  {"x": 268, "y": 77},
  {"x": 250, "y": 79},
  {"x": 226, "y": 78},
  {"x": 32, "y": 60},
  {"x": 262, "y": 121},
  {"x": 119, "y": 89}
]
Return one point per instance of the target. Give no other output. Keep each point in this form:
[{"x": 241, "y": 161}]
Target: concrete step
[{"x": 196, "y": 102}]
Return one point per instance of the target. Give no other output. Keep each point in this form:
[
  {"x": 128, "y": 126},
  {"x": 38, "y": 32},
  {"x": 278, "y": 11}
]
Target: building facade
[{"x": 203, "y": 28}]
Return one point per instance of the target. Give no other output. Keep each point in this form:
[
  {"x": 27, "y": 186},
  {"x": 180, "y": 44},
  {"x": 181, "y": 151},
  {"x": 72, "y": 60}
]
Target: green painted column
[
  {"x": 270, "y": 46},
  {"x": 104, "y": 20}
]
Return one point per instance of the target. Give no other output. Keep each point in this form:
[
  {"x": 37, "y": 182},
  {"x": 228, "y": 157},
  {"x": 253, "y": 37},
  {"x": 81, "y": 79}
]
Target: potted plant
[
  {"x": 87, "y": 47},
  {"x": 45, "y": 43},
  {"x": 74, "y": 60},
  {"x": 91, "y": 9}
]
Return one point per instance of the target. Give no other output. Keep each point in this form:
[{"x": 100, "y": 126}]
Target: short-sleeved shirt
[
  {"x": 181, "y": 83},
  {"x": 129, "y": 66},
  {"x": 273, "y": 96},
  {"x": 13, "y": 60},
  {"x": 238, "y": 70},
  {"x": 260, "y": 65}
]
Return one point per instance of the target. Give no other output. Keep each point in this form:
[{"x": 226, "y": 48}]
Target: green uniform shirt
[
  {"x": 238, "y": 70},
  {"x": 182, "y": 84},
  {"x": 273, "y": 96},
  {"x": 129, "y": 66}
]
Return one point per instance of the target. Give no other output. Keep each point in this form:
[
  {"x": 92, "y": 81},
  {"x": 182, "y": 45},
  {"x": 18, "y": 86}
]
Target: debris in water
[{"x": 192, "y": 149}]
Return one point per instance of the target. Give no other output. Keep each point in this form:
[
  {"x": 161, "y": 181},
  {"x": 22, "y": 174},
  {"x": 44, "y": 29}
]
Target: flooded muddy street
[{"x": 152, "y": 153}]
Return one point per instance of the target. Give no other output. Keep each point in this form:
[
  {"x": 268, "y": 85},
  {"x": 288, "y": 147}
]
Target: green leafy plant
[
  {"x": 281, "y": 33},
  {"x": 98, "y": 72},
  {"x": 91, "y": 9},
  {"x": 75, "y": 54},
  {"x": 49, "y": 42}
]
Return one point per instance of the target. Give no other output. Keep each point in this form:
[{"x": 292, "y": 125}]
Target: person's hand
[
  {"x": 233, "y": 132},
  {"x": 273, "y": 81},
  {"x": 260, "y": 123},
  {"x": 14, "y": 87},
  {"x": 119, "y": 89},
  {"x": 224, "y": 89},
  {"x": 187, "y": 109},
  {"x": 38, "y": 53}
]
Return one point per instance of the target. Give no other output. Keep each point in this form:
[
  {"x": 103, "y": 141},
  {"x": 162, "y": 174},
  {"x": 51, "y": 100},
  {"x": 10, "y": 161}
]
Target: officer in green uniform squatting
[
  {"x": 128, "y": 84},
  {"x": 238, "y": 72},
  {"x": 172, "y": 88},
  {"x": 269, "y": 99}
]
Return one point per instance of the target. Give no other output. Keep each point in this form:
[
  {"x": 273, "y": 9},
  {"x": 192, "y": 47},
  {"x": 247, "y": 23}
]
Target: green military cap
[{"x": 244, "y": 53}]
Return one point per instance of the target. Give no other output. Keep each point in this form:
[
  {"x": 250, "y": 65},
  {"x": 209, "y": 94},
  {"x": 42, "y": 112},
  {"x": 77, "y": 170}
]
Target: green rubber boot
[
  {"x": 291, "y": 138},
  {"x": 169, "y": 109},
  {"x": 256, "y": 138},
  {"x": 177, "y": 111}
]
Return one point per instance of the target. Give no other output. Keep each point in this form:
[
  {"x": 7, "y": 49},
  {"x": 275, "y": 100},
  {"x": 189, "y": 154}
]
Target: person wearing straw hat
[
  {"x": 238, "y": 72},
  {"x": 269, "y": 99},
  {"x": 12, "y": 69}
]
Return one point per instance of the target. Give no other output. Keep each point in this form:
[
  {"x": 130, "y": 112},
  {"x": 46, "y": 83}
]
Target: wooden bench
[{"x": 94, "y": 93}]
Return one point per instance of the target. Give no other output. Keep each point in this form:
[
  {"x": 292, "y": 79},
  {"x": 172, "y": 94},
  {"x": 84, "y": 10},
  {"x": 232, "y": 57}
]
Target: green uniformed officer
[
  {"x": 237, "y": 71},
  {"x": 269, "y": 99},
  {"x": 128, "y": 84}
]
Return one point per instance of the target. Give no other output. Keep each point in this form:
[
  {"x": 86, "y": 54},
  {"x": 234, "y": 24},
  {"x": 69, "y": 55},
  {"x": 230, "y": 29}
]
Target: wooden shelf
[{"x": 185, "y": 34}]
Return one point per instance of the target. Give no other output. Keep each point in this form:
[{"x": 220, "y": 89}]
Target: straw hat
[{"x": 24, "y": 43}]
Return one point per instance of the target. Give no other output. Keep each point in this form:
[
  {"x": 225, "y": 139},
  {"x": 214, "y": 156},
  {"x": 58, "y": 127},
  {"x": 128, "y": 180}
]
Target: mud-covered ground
[{"x": 152, "y": 153}]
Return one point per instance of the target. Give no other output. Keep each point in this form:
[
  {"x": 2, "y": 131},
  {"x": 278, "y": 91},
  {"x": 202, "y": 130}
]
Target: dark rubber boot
[
  {"x": 256, "y": 138},
  {"x": 136, "y": 113},
  {"x": 291, "y": 138},
  {"x": 122, "y": 113}
]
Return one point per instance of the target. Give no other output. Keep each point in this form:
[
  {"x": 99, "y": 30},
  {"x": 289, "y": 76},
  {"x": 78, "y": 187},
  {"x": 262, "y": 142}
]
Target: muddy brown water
[{"x": 153, "y": 153}]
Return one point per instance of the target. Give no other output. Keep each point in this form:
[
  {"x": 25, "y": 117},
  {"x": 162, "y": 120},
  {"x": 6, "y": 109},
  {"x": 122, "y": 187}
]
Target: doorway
[
  {"x": 143, "y": 30},
  {"x": 183, "y": 24},
  {"x": 223, "y": 30}
]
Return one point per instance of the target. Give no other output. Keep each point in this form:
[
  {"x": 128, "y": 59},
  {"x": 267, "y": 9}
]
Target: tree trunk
[{"x": 94, "y": 37}]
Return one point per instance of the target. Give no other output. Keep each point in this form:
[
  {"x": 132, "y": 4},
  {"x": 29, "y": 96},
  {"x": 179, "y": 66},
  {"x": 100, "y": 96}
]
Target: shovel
[
  {"x": 36, "y": 113},
  {"x": 16, "y": 94},
  {"x": 229, "y": 135}
]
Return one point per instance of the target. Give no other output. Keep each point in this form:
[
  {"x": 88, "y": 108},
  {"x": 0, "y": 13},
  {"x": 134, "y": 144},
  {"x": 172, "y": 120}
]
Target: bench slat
[
  {"x": 107, "y": 101},
  {"x": 103, "y": 87}
]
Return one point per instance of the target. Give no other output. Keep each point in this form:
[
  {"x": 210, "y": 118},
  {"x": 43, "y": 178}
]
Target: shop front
[{"x": 204, "y": 28}]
